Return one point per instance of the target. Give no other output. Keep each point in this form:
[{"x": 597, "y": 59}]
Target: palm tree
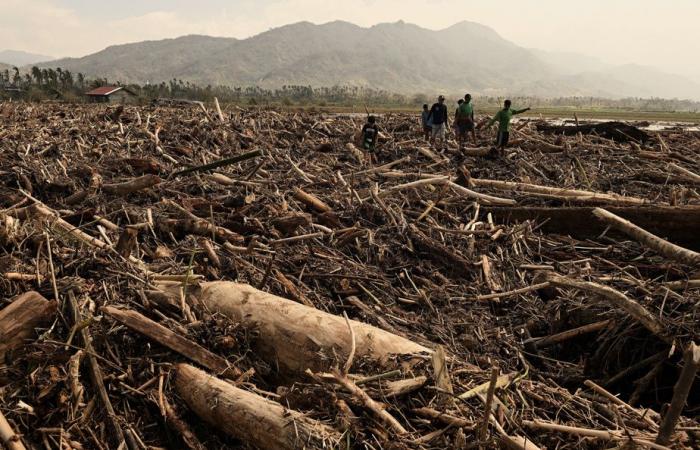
[
  {"x": 37, "y": 74},
  {"x": 16, "y": 78}
]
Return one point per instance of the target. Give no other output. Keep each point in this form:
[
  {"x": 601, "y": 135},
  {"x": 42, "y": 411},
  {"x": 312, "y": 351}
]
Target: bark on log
[
  {"x": 296, "y": 337},
  {"x": 137, "y": 184},
  {"x": 680, "y": 394},
  {"x": 20, "y": 318},
  {"x": 250, "y": 417},
  {"x": 172, "y": 340},
  {"x": 652, "y": 241}
]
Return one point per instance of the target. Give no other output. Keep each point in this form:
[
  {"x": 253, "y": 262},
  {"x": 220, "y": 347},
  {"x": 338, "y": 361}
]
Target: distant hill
[
  {"x": 397, "y": 57},
  {"x": 19, "y": 59}
]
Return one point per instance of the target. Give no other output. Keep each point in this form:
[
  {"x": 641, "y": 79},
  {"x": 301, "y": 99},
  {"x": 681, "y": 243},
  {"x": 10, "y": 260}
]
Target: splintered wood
[{"x": 213, "y": 276}]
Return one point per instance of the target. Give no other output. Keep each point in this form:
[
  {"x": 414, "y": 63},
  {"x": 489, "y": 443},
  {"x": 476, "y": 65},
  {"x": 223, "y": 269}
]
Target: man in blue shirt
[{"x": 438, "y": 116}]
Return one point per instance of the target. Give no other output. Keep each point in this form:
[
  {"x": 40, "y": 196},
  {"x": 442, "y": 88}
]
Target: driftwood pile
[{"x": 194, "y": 277}]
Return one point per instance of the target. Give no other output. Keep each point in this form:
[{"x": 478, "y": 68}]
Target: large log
[
  {"x": 21, "y": 317},
  {"x": 678, "y": 224},
  {"x": 648, "y": 239},
  {"x": 295, "y": 337},
  {"x": 568, "y": 195},
  {"x": 250, "y": 417},
  {"x": 617, "y": 131}
]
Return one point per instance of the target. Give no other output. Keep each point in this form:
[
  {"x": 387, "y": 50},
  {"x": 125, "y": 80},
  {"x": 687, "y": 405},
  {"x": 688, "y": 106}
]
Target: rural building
[
  {"x": 13, "y": 92},
  {"x": 111, "y": 94}
]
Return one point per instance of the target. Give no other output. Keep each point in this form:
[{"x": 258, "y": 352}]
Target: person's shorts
[
  {"x": 465, "y": 127},
  {"x": 439, "y": 131},
  {"x": 427, "y": 129},
  {"x": 502, "y": 139}
]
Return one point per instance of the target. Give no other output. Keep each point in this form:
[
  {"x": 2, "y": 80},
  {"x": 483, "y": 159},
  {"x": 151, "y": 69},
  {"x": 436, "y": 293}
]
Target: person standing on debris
[
  {"x": 503, "y": 117},
  {"x": 465, "y": 121},
  {"x": 370, "y": 132},
  {"x": 438, "y": 116},
  {"x": 454, "y": 123},
  {"x": 425, "y": 123}
]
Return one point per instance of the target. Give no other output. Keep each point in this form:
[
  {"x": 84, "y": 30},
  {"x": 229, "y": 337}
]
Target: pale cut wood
[
  {"x": 652, "y": 241},
  {"x": 250, "y": 417},
  {"x": 311, "y": 200},
  {"x": 564, "y": 194},
  {"x": 296, "y": 337},
  {"x": 19, "y": 319},
  {"x": 402, "y": 387},
  {"x": 128, "y": 187},
  {"x": 597, "y": 434},
  {"x": 8, "y": 437}
]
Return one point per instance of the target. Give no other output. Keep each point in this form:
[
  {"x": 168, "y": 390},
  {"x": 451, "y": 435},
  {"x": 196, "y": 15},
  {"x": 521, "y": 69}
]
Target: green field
[{"x": 547, "y": 112}]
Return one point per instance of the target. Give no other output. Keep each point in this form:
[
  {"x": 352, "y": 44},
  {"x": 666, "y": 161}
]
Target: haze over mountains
[
  {"x": 397, "y": 57},
  {"x": 19, "y": 58}
]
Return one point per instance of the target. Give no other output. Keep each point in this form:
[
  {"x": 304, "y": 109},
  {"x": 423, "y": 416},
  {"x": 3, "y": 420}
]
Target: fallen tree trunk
[
  {"x": 559, "y": 193},
  {"x": 20, "y": 318},
  {"x": 297, "y": 337},
  {"x": 250, "y": 417},
  {"x": 652, "y": 241},
  {"x": 617, "y": 131},
  {"x": 677, "y": 223}
]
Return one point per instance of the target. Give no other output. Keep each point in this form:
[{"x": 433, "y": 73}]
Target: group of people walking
[{"x": 435, "y": 121}]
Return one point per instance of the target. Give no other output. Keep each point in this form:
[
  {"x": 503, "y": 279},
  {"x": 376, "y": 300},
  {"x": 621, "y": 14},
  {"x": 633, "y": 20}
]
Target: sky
[{"x": 659, "y": 33}]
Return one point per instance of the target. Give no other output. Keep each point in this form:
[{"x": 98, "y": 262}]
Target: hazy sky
[{"x": 662, "y": 33}]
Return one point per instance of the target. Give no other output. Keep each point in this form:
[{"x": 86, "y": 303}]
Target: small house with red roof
[{"x": 111, "y": 94}]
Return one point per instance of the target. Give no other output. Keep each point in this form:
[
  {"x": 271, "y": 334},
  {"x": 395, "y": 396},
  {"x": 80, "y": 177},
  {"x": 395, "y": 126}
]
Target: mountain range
[
  {"x": 16, "y": 58},
  {"x": 397, "y": 57}
]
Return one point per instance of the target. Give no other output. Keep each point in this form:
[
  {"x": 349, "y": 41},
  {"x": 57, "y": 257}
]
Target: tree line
[{"x": 38, "y": 84}]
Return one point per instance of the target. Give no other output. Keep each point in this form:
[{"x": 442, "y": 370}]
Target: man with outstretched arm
[
  {"x": 438, "y": 116},
  {"x": 503, "y": 117}
]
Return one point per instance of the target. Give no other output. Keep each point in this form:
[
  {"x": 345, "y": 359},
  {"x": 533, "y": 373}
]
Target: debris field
[{"x": 191, "y": 277}]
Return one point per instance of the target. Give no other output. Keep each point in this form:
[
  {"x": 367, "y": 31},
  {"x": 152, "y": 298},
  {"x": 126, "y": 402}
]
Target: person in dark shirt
[
  {"x": 370, "y": 132},
  {"x": 425, "y": 123},
  {"x": 438, "y": 116}
]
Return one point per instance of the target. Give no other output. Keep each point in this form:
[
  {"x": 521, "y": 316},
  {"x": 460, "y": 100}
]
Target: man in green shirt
[
  {"x": 503, "y": 117},
  {"x": 465, "y": 121}
]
